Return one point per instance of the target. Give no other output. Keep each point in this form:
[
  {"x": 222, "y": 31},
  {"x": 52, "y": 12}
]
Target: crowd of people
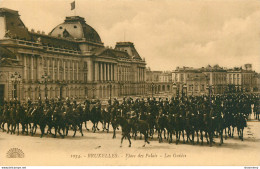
[{"x": 185, "y": 117}]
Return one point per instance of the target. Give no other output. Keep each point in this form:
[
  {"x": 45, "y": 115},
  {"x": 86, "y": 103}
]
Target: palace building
[
  {"x": 70, "y": 61},
  {"x": 214, "y": 79}
]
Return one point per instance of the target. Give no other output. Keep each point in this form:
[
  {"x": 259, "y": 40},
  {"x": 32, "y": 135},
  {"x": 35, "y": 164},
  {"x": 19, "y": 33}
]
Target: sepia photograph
[{"x": 129, "y": 83}]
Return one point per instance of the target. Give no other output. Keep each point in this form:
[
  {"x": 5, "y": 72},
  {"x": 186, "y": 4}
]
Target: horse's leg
[
  {"x": 67, "y": 130},
  {"x": 229, "y": 131},
  {"x": 144, "y": 139},
  {"x": 86, "y": 125},
  {"x": 35, "y": 128},
  {"x": 97, "y": 126},
  {"x": 206, "y": 136},
  {"x": 80, "y": 128},
  {"x": 42, "y": 127},
  {"x": 170, "y": 136},
  {"x": 128, "y": 136},
  {"x": 108, "y": 127},
  {"x": 94, "y": 127},
  {"x": 238, "y": 132},
  {"x": 55, "y": 131},
  {"x": 103, "y": 125},
  {"x": 198, "y": 140},
  {"x": 233, "y": 128},
  {"x": 225, "y": 133},
  {"x": 201, "y": 136},
  {"x": 160, "y": 135},
  {"x": 242, "y": 134},
  {"x": 3, "y": 126},
  {"x": 221, "y": 136},
  {"x": 192, "y": 137},
  {"x": 114, "y": 132},
  {"x": 75, "y": 129},
  {"x": 183, "y": 137},
  {"x": 18, "y": 128},
  {"x": 31, "y": 130},
  {"x": 122, "y": 139},
  {"x": 188, "y": 135},
  {"x": 177, "y": 136}
]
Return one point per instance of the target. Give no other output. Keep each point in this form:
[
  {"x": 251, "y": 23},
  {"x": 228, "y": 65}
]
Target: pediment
[{"x": 107, "y": 53}]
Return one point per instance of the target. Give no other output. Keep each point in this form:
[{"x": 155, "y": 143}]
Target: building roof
[
  {"x": 129, "y": 48},
  {"x": 50, "y": 41},
  {"x": 75, "y": 27}
]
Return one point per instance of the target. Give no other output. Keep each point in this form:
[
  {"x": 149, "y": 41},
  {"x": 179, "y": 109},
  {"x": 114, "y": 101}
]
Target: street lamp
[
  {"x": 174, "y": 87},
  {"x": 209, "y": 88},
  {"x": 183, "y": 87},
  {"x": 93, "y": 91},
  {"x": 110, "y": 90},
  {"x": 15, "y": 79},
  {"x": 45, "y": 78},
  {"x": 152, "y": 88}
]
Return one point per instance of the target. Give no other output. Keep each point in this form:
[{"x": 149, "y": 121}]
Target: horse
[
  {"x": 106, "y": 118},
  {"x": 126, "y": 129},
  {"x": 179, "y": 127},
  {"x": 73, "y": 119},
  {"x": 95, "y": 117},
  {"x": 162, "y": 125}
]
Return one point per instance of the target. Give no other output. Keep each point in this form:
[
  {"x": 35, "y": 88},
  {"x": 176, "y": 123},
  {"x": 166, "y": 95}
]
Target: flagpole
[{"x": 75, "y": 9}]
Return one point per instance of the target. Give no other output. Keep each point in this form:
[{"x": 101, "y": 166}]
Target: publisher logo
[{"x": 15, "y": 153}]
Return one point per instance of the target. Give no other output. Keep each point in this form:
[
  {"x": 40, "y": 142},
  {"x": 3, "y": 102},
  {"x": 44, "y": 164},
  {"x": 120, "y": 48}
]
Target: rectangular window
[
  {"x": 190, "y": 87},
  {"x": 196, "y": 88},
  {"x": 182, "y": 78},
  {"x": 85, "y": 77},
  {"x": 202, "y": 87},
  {"x": 85, "y": 65}
]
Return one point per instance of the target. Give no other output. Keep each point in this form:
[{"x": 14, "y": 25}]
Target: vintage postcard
[{"x": 129, "y": 83}]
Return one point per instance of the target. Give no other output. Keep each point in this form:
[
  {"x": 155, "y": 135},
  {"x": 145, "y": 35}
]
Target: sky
[{"x": 167, "y": 33}]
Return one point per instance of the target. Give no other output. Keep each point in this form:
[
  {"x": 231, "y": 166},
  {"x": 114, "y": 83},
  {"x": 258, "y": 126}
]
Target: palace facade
[
  {"x": 70, "y": 61},
  {"x": 214, "y": 79}
]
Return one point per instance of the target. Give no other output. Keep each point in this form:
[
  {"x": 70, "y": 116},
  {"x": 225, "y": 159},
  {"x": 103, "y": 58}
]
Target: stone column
[
  {"x": 32, "y": 67},
  {"x": 105, "y": 72},
  {"x": 96, "y": 71},
  {"x": 48, "y": 66},
  {"x": 113, "y": 72},
  {"x": 142, "y": 74},
  {"x": 110, "y": 72},
  {"x": 25, "y": 66},
  {"x": 73, "y": 69},
  {"x": 58, "y": 69},
  {"x": 77, "y": 70},
  {"x": 53, "y": 72},
  {"x": 64, "y": 70},
  {"x": 101, "y": 71}
]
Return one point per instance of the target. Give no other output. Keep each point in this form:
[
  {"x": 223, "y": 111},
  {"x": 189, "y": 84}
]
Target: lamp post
[
  {"x": 15, "y": 79},
  {"x": 174, "y": 87},
  {"x": 152, "y": 88},
  {"x": 110, "y": 90},
  {"x": 45, "y": 78},
  {"x": 183, "y": 87},
  {"x": 93, "y": 91}
]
